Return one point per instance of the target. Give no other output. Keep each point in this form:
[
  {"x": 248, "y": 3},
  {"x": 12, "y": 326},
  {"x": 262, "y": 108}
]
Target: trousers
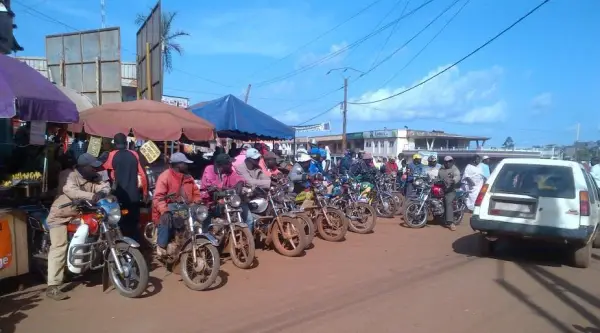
[
  {"x": 57, "y": 254},
  {"x": 448, "y": 199}
]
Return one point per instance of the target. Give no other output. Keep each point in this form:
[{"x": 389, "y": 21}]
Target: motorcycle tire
[
  {"x": 460, "y": 213},
  {"x": 188, "y": 256},
  {"x": 238, "y": 261},
  {"x": 297, "y": 237},
  {"x": 407, "y": 219},
  {"x": 399, "y": 198},
  {"x": 381, "y": 211},
  {"x": 309, "y": 228},
  {"x": 143, "y": 272},
  {"x": 340, "y": 228},
  {"x": 367, "y": 222}
]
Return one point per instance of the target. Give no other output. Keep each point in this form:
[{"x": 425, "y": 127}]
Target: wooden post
[
  {"x": 98, "y": 82},
  {"x": 62, "y": 73},
  {"x": 148, "y": 73},
  {"x": 165, "y": 152}
]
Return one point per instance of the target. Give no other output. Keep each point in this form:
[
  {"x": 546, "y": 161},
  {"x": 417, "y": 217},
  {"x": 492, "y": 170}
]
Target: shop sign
[
  {"x": 94, "y": 146},
  {"x": 322, "y": 127},
  {"x": 354, "y": 136},
  {"x": 381, "y": 134},
  {"x": 150, "y": 151},
  {"x": 176, "y": 101}
]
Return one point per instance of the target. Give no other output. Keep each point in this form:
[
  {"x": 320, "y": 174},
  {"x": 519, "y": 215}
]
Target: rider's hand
[{"x": 98, "y": 196}]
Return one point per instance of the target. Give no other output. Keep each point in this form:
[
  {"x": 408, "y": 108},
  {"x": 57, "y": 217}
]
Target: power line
[
  {"x": 426, "y": 45},
  {"x": 387, "y": 40},
  {"x": 314, "y": 99},
  {"x": 253, "y": 97},
  {"x": 363, "y": 10},
  {"x": 411, "y": 39},
  {"x": 320, "y": 114},
  {"x": 340, "y": 51},
  {"x": 30, "y": 10},
  {"x": 459, "y": 61}
]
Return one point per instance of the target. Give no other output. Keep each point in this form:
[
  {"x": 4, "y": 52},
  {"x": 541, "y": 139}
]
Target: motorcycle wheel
[
  {"x": 459, "y": 213},
  {"x": 308, "y": 227},
  {"x": 381, "y": 209},
  {"x": 366, "y": 215},
  {"x": 399, "y": 199},
  {"x": 135, "y": 258},
  {"x": 212, "y": 262},
  {"x": 335, "y": 230},
  {"x": 409, "y": 212},
  {"x": 243, "y": 255},
  {"x": 290, "y": 241}
]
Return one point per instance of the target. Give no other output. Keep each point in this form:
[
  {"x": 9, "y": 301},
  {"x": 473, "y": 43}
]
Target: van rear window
[{"x": 536, "y": 180}]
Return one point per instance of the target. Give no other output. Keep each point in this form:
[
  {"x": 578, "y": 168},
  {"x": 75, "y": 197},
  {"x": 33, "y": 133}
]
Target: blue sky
[{"x": 535, "y": 83}]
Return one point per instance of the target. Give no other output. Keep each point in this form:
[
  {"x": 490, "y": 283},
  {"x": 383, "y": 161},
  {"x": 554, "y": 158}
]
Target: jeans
[
  {"x": 163, "y": 235},
  {"x": 410, "y": 190},
  {"x": 448, "y": 199},
  {"x": 247, "y": 216}
]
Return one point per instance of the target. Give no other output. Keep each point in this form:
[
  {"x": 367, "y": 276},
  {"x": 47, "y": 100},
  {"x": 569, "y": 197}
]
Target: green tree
[
  {"x": 168, "y": 39},
  {"x": 508, "y": 143}
]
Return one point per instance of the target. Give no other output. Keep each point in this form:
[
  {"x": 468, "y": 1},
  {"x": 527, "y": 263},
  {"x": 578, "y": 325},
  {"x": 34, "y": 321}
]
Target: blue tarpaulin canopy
[{"x": 237, "y": 120}]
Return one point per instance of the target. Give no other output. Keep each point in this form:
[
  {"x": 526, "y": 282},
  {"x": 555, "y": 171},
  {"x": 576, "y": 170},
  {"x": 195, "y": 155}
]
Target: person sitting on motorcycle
[
  {"x": 254, "y": 176},
  {"x": 433, "y": 167},
  {"x": 345, "y": 163},
  {"x": 365, "y": 167},
  {"x": 272, "y": 165},
  {"x": 175, "y": 180},
  {"x": 301, "y": 173},
  {"x": 82, "y": 183},
  {"x": 415, "y": 168}
]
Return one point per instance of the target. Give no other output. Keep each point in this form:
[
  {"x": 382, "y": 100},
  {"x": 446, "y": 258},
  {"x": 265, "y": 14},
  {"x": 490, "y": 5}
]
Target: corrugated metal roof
[{"x": 129, "y": 74}]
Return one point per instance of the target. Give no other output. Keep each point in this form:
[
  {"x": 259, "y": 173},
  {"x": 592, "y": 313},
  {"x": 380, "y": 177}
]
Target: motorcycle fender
[
  {"x": 240, "y": 224},
  {"x": 128, "y": 241},
  {"x": 209, "y": 237},
  {"x": 105, "y": 279}
]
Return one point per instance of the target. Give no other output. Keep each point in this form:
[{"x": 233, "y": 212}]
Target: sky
[{"x": 535, "y": 83}]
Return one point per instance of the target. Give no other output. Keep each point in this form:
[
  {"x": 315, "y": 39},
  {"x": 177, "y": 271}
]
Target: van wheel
[
  {"x": 486, "y": 246},
  {"x": 582, "y": 256},
  {"x": 596, "y": 243}
]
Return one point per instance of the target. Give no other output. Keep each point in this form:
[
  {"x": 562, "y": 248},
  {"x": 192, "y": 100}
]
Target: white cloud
[
  {"x": 334, "y": 56},
  {"x": 469, "y": 97},
  {"x": 541, "y": 102},
  {"x": 270, "y": 32},
  {"x": 289, "y": 117}
]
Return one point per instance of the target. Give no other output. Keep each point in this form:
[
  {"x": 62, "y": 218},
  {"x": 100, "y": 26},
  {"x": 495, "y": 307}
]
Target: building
[{"x": 8, "y": 43}]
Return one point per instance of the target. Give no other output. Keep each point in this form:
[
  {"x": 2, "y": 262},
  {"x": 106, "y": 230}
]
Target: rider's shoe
[
  {"x": 54, "y": 292},
  {"x": 161, "y": 252}
]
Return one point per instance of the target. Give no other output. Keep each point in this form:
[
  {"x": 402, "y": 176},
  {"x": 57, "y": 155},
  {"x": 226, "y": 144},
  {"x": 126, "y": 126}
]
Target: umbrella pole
[{"x": 165, "y": 151}]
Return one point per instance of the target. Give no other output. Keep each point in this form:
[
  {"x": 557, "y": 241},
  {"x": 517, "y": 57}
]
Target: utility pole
[
  {"x": 103, "y": 13},
  {"x": 247, "y": 93},
  {"x": 345, "y": 103}
]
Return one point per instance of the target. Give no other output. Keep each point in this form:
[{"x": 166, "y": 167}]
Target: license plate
[{"x": 512, "y": 207}]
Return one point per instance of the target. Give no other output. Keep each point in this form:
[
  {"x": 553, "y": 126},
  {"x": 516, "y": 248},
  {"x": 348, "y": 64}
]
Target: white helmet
[
  {"x": 303, "y": 158},
  {"x": 301, "y": 151}
]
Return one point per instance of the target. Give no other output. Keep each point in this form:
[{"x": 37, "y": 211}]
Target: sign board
[
  {"x": 94, "y": 146},
  {"x": 322, "y": 127},
  {"x": 88, "y": 62},
  {"x": 5, "y": 244},
  {"x": 150, "y": 151},
  {"x": 181, "y": 102},
  {"x": 380, "y": 134},
  {"x": 150, "y": 33},
  {"x": 355, "y": 136},
  {"x": 37, "y": 133}
]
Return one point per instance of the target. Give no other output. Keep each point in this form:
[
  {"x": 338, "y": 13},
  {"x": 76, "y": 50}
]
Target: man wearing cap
[
  {"x": 127, "y": 176},
  {"x": 175, "y": 180},
  {"x": 450, "y": 175},
  {"x": 83, "y": 182},
  {"x": 485, "y": 167},
  {"x": 271, "y": 164},
  {"x": 250, "y": 170},
  {"x": 300, "y": 173}
]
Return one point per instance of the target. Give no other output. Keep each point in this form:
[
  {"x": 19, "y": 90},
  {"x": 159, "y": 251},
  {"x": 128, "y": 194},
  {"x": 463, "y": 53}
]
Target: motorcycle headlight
[
  {"x": 419, "y": 182},
  {"x": 114, "y": 215},
  {"x": 235, "y": 201},
  {"x": 246, "y": 190},
  {"x": 201, "y": 213},
  {"x": 290, "y": 187},
  {"x": 321, "y": 189}
]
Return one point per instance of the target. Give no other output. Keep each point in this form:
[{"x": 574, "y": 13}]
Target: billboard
[
  {"x": 88, "y": 62},
  {"x": 322, "y": 127},
  {"x": 181, "y": 102},
  {"x": 150, "y": 33}
]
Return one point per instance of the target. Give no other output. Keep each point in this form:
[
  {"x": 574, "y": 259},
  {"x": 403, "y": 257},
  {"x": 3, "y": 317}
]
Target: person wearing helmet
[
  {"x": 433, "y": 167},
  {"x": 300, "y": 173},
  {"x": 415, "y": 168}
]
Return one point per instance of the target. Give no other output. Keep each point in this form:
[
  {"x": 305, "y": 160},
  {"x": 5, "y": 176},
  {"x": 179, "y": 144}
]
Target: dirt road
[{"x": 395, "y": 280}]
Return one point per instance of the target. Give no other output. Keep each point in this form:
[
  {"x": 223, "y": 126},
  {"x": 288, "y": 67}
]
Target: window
[
  {"x": 591, "y": 186},
  {"x": 368, "y": 144},
  {"x": 391, "y": 143},
  {"x": 376, "y": 144},
  {"x": 536, "y": 180}
]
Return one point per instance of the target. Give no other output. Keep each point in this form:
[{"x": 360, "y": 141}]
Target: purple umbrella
[{"x": 25, "y": 90}]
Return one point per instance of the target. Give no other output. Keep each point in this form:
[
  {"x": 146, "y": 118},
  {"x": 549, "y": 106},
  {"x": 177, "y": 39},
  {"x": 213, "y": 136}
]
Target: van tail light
[
  {"x": 584, "y": 203},
  {"x": 481, "y": 194}
]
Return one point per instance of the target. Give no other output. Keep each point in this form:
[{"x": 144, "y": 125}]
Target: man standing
[
  {"x": 326, "y": 156},
  {"x": 127, "y": 174},
  {"x": 595, "y": 171},
  {"x": 485, "y": 167},
  {"x": 450, "y": 175},
  {"x": 79, "y": 146}
]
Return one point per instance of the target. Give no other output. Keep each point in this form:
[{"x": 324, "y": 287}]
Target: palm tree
[{"x": 169, "y": 37}]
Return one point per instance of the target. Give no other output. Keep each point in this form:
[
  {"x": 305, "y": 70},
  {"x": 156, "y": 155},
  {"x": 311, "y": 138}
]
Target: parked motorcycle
[
  {"x": 283, "y": 231},
  {"x": 96, "y": 242},
  {"x": 373, "y": 192},
  {"x": 231, "y": 230},
  {"x": 289, "y": 206},
  {"x": 331, "y": 223},
  {"x": 430, "y": 200},
  {"x": 192, "y": 249},
  {"x": 361, "y": 215}
]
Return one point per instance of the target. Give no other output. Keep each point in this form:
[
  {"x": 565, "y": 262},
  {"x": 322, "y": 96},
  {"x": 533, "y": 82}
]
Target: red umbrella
[{"x": 149, "y": 120}]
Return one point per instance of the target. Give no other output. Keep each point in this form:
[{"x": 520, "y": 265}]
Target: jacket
[
  {"x": 169, "y": 182},
  {"x": 240, "y": 158},
  {"x": 211, "y": 177},
  {"x": 450, "y": 177},
  {"x": 299, "y": 177},
  {"x": 415, "y": 170},
  {"x": 391, "y": 168},
  {"x": 255, "y": 177},
  {"x": 75, "y": 187}
]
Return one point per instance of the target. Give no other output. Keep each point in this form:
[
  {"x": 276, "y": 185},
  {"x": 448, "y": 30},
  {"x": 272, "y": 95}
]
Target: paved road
[{"x": 395, "y": 280}]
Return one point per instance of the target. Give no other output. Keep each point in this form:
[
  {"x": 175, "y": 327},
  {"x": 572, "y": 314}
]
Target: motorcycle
[
  {"x": 282, "y": 230},
  {"x": 361, "y": 215},
  {"x": 374, "y": 193},
  {"x": 230, "y": 229},
  {"x": 430, "y": 200},
  {"x": 288, "y": 206},
  {"x": 193, "y": 250},
  {"x": 331, "y": 223},
  {"x": 96, "y": 243}
]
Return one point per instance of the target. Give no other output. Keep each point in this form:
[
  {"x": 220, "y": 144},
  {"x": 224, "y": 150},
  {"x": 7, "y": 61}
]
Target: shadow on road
[
  {"x": 582, "y": 329},
  {"x": 220, "y": 282},
  {"x": 14, "y": 306},
  {"x": 154, "y": 287},
  {"x": 515, "y": 250}
]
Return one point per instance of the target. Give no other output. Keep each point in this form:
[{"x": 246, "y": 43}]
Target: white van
[{"x": 542, "y": 199}]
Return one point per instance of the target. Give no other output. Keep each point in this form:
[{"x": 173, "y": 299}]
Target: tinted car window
[
  {"x": 536, "y": 180},
  {"x": 591, "y": 188}
]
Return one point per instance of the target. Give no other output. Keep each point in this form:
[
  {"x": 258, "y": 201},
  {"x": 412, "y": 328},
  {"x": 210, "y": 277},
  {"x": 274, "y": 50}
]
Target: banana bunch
[
  {"x": 27, "y": 176},
  {"x": 6, "y": 183}
]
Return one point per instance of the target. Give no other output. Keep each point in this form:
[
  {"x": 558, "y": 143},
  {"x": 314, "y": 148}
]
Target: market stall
[{"x": 29, "y": 98}]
